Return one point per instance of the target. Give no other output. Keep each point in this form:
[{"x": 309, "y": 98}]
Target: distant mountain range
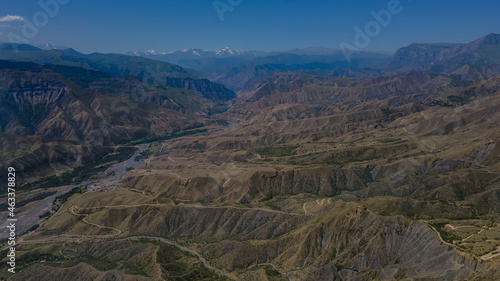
[
  {"x": 152, "y": 71},
  {"x": 476, "y": 60},
  {"x": 235, "y": 69},
  {"x": 227, "y": 52},
  {"x": 185, "y": 55},
  {"x": 192, "y": 53}
]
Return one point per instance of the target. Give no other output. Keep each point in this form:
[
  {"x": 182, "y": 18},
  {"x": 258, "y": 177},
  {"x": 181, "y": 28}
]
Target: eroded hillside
[
  {"x": 382, "y": 176},
  {"x": 378, "y": 187}
]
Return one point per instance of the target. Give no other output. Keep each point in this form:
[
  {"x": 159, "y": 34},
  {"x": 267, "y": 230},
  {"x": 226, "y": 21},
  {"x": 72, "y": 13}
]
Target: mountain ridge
[{"x": 121, "y": 65}]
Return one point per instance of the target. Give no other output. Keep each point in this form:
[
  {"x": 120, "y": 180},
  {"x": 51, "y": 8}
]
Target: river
[{"x": 26, "y": 220}]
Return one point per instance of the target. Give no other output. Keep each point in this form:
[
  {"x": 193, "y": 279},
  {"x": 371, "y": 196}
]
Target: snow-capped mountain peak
[
  {"x": 190, "y": 53},
  {"x": 228, "y": 51}
]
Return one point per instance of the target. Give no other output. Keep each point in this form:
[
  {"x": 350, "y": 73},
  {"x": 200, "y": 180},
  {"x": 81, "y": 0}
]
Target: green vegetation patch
[
  {"x": 85, "y": 172},
  {"x": 168, "y": 137},
  {"x": 276, "y": 151},
  {"x": 63, "y": 198},
  {"x": 273, "y": 275},
  {"x": 179, "y": 265},
  {"x": 114, "y": 255},
  {"x": 447, "y": 236},
  {"x": 37, "y": 197}
]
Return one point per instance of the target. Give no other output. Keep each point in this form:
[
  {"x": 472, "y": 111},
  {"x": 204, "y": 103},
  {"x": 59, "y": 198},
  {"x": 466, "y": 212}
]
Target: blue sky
[{"x": 124, "y": 25}]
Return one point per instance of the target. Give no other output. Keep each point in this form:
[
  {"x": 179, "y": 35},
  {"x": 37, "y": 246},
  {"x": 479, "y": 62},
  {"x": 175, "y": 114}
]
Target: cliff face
[
  {"x": 212, "y": 91},
  {"x": 67, "y": 121},
  {"x": 41, "y": 102},
  {"x": 325, "y": 182},
  {"x": 133, "y": 88},
  {"x": 252, "y": 185},
  {"x": 420, "y": 56},
  {"x": 479, "y": 58}
]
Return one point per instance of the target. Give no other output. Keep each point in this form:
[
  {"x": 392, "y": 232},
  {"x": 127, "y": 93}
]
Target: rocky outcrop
[{"x": 473, "y": 61}]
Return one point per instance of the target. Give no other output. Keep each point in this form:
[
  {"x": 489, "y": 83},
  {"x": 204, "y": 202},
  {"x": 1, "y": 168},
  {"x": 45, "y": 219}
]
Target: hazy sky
[{"x": 124, "y": 25}]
